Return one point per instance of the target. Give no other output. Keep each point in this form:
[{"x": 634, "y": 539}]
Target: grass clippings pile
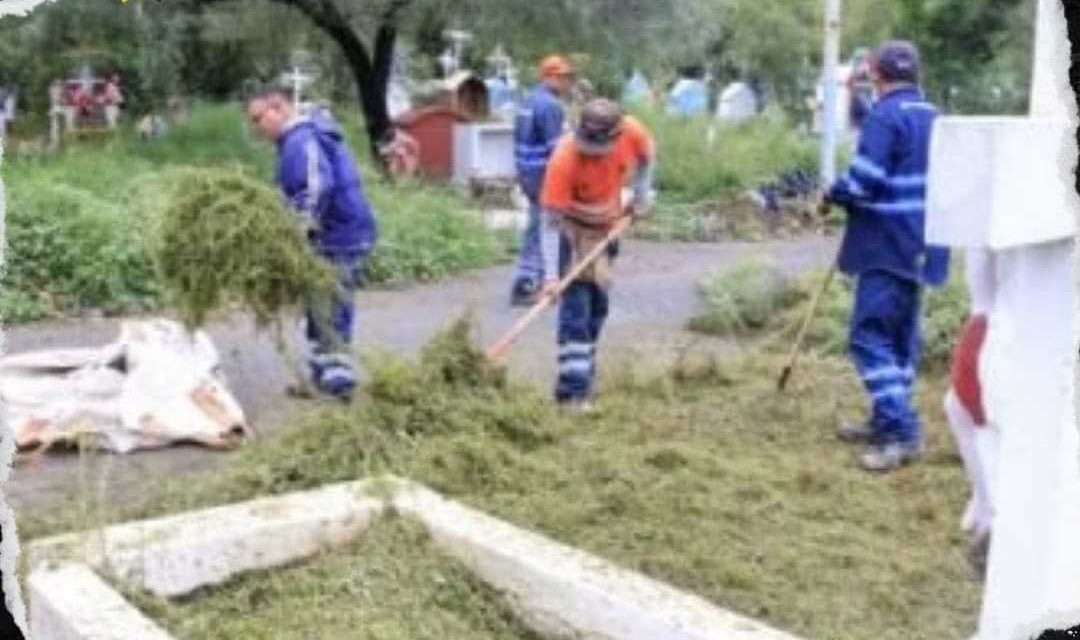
[
  {"x": 391, "y": 584},
  {"x": 226, "y": 240},
  {"x": 703, "y": 477},
  {"x": 756, "y": 299}
]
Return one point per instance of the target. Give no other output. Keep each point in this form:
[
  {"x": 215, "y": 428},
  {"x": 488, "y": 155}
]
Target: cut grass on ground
[
  {"x": 391, "y": 584},
  {"x": 704, "y": 477}
]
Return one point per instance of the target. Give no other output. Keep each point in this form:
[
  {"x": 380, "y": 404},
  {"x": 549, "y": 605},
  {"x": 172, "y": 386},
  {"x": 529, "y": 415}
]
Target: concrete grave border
[{"x": 555, "y": 589}]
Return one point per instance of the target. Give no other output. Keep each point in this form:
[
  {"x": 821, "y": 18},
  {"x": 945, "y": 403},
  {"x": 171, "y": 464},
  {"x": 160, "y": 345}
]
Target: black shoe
[{"x": 524, "y": 293}]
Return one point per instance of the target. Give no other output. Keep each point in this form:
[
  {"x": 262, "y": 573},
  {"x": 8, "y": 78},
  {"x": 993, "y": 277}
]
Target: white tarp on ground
[{"x": 155, "y": 386}]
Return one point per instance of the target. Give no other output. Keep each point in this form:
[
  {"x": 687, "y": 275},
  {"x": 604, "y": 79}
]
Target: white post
[
  {"x": 831, "y": 61},
  {"x": 296, "y": 88}
]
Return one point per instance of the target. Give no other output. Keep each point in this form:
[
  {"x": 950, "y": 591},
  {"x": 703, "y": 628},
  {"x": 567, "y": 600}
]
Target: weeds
[
  {"x": 739, "y": 157},
  {"x": 746, "y": 299},
  {"x": 756, "y": 300},
  {"x": 731, "y": 218},
  {"x": 81, "y": 224}
]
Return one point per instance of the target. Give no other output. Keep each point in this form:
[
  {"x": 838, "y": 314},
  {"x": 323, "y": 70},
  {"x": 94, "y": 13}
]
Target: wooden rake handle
[
  {"x": 499, "y": 348},
  {"x": 797, "y": 345}
]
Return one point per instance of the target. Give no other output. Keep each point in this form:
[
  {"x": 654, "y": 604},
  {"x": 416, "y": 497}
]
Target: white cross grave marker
[{"x": 1005, "y": 184}]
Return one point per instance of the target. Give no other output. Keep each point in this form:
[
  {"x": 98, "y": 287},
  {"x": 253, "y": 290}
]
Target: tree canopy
[{"x": 977, "y": 52}]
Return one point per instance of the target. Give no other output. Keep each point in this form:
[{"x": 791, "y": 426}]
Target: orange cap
[{"x": 553, "y": 66}]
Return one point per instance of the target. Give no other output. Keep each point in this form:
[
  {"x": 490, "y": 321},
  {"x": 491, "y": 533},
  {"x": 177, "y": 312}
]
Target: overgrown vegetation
[
  {"x": 82, "y": 225},
  {"x": 702, "y": 476},
  {"x": 736, "y": 218},
  {"x": 758, "y": 299},
  {"x": 739, "y": 157},
  {"x": 744, "y": 300},
  {"x": 391, "y": 584}
]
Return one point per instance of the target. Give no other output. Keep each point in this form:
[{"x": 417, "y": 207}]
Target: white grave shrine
[
  {"x": 1006, "y": 185},
  {"x": 637, "y": 89},
  {"x": 737, "y": 102}
]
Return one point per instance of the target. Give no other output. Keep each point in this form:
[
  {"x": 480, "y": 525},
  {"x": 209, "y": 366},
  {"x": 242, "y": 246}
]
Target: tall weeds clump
[
  {"x": 754, "y": 301},
  {"x": 227, "y": 240},
  {"x": 741, "y": 156},
  {"x": 743, "y": 300}
]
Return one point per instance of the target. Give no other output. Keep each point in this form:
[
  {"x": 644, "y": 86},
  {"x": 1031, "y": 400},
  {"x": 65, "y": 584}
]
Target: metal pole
[
  {"x": 830, "y": 60},
  {"x": 296, "y": 88}
]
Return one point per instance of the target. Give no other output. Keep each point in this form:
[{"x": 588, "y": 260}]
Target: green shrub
[
  {"x": 81, "y": 223},
  {"x": 426, "y": 233},
  {"x": 752, "y": 300},
  {"x": 70, "y": 249},
  {"x": 739, "y": 158},
  {"x": 745, "y": 299}
]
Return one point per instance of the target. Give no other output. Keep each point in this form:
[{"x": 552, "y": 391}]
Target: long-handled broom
[{"x": 502, "y": 345}]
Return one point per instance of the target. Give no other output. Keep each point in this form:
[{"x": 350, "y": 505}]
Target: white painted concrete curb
[
  {"x": 559, "y": 591},
  {"x": 73, "y": 603},
  {"x": 176, "y": 555},
  {"x": 562, "y": 591}
]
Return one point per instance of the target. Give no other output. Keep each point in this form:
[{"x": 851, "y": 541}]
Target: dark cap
[
  {"x": 599, "y": 126},
  {"x": 897, "y": 61}
]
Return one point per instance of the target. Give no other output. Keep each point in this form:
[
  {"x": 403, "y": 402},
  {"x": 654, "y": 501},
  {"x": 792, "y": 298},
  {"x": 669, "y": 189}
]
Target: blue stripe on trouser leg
[
  {"x": 330, "y": 328},
  {"x": 884, "y": 346},
  {"x": 582, "y": 311},
  {"x": 583, "y": 308},
  {"x": 530, "y": 265}
]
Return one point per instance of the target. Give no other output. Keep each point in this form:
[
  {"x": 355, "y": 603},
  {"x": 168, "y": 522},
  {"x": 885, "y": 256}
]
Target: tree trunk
[{"x": 370, "y": 72}]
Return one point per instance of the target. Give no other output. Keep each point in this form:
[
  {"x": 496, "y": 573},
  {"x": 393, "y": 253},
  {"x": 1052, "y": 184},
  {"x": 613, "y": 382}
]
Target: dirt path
[{"x": 654, "y": 295}]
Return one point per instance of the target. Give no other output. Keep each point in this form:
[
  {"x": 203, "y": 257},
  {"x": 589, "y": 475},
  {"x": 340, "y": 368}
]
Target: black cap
[{"x": 897, "y": 61}]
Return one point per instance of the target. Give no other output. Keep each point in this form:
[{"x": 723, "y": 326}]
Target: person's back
[
  {"x": 885, "y": 191},
  {"x": 537, "y": 127},
  {"x": 313, "y": 150}
]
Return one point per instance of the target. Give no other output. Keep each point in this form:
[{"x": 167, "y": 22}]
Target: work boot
[
  {"x": 855, "y": 432},
  {"x": 890, "y": 456},
  {"x": 524, "y": 293}
]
